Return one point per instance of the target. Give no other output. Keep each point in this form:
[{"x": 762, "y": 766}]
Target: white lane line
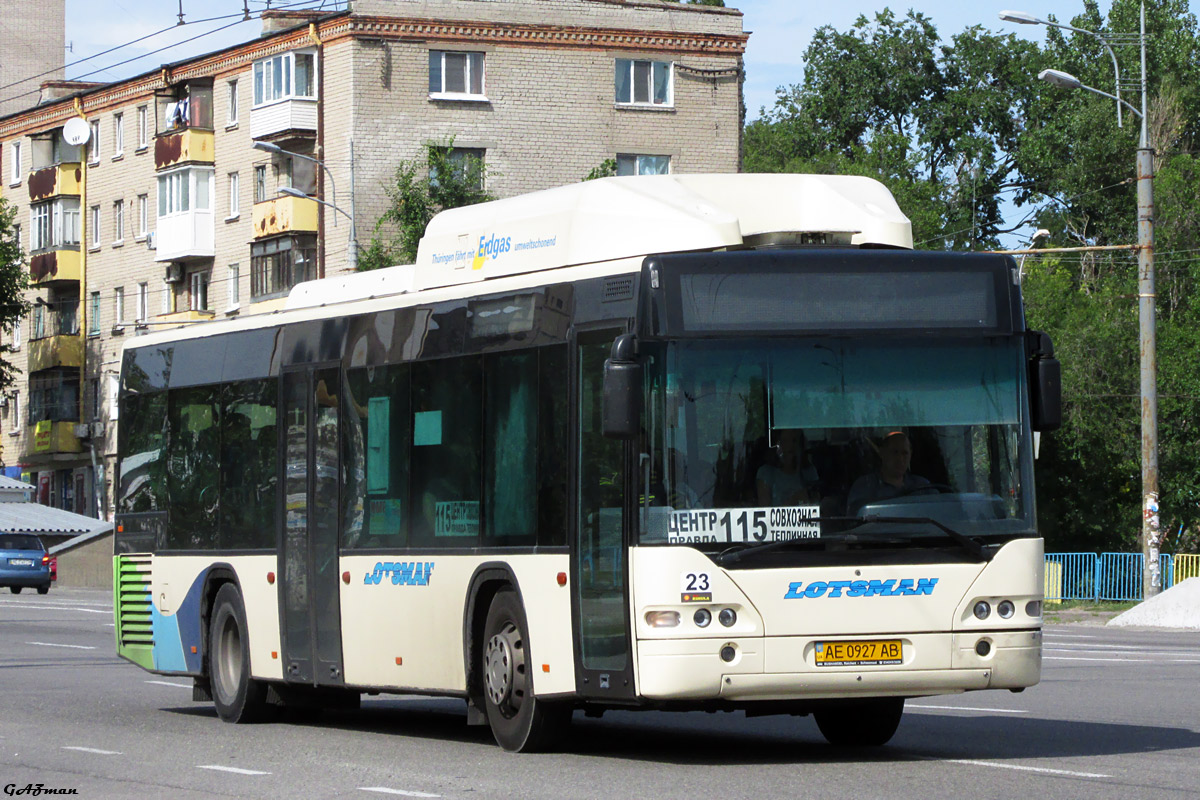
[
  {"x": 69, "y": 608},
  {"x": 401, "y": 792},
  {"x": 168, "y": 683},
  {"x": 94, "y": 750},
  {"x": 235, "y": 770},
  {"x": 1022, "y": 768},
  {"x": 1054, "y": 635},
  {"x": 969, "y": 708},
  {"x": 1126, "y": 660},
  {"x": 1184, "y": 653},
  {"x": 72, "y": 646}
]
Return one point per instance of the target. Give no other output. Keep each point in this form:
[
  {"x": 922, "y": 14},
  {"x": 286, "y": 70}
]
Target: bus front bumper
[{"x": 784, "y": 668}]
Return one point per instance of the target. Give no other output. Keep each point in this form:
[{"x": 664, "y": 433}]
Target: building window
[
  {"x": 185, "y": 105},
  {"x": 16, "y": 335},
  {"x": 168, "y": 297},
  {"x": 38, "y": 329},
  {"x": 94, "y": 143},
  {"x": 119, "y": 304},
  {"x": 198, "y": 297},
  {"x": 276, "y": 265},
  {"x": 260, "y": 183},
  {"x": 143, "y": 215},
  {"x": 643, "y": 165},
  {"x": 54, "y": 395},
  {"x": 143, "y": 130},
  {"x": 54, "y": 224},
  {"x": 17, "y": 239},
  {"x": 143, "y": 302},
  {"x": 94, "y": 221},
  {"x": 118, "y": 221},
  {"x": 234, "y": 291},
  {"x": 232, "y": 117},
  {"x": 644, "y": 82},
  {"x": 94, "y": 315},
  {"x": 118, "y": 135},
  {"x": 467, "y": 162},
  {"x": 183, "y": 190},
  {"x": 284, "y": 77},
  {"x": 454, "y": 75},
  {"x": 14, "y": 151},
  {"x": 15, "y": 427},
  {"x": 94, "y": 394},
  {"x": 234, "y": 188}
]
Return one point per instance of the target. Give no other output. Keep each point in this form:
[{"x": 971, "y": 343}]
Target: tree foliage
[
  {"x": 14, "y": 279},
  {"x": 420, "y": 189},
  {"x": 960, "y": 129}
]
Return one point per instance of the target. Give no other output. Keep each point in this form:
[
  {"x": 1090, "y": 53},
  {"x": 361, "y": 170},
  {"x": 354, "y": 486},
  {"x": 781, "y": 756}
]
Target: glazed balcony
[
  {"x": 183, "y": 317},
  {"x": 283, "y": 118},
  {"x": 185, "y": 236},
  {"x": 284, "y": 215},
  {"x": 55, "y": 180}
]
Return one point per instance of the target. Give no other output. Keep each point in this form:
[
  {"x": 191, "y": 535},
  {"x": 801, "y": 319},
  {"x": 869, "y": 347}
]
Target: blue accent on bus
[
  {"x": 403, "y": 573},
  {"x": 905, "y": 587},
  {"x": 176, "y": 634}
]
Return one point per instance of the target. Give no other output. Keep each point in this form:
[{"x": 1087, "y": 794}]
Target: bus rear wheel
[
  {"x": 868, "y": 723},
  {"x": 519, "y": 721},
  {"x": 237, "y": 696}
]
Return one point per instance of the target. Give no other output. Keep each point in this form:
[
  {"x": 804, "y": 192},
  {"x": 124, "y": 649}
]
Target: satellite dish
[{"x": 77, "y": 131}]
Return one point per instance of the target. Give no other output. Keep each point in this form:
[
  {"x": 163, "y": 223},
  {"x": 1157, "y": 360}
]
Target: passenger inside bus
[{"x": 892, "y": 479}]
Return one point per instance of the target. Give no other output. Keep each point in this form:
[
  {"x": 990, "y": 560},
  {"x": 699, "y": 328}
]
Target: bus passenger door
[
  {"x": 604, "y": 666},
  {"x": 312, "y": 644}
]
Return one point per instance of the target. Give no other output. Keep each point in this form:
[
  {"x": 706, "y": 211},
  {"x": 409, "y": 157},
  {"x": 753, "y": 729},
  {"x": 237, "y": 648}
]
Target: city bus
[{"x": 627, "y": 444}]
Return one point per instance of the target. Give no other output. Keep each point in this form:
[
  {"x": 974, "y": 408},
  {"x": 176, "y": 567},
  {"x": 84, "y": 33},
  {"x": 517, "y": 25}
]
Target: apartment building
[{"x": 173, "y": 212}]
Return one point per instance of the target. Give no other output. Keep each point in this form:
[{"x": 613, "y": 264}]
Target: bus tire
[
  {"x": 237, "y": 696},
  {"x": 868, "y": 723},
  {"x": 519, "y": 721}
]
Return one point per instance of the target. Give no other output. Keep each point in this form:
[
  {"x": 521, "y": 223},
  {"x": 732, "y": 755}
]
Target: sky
[{"x": 780, "y": 31}]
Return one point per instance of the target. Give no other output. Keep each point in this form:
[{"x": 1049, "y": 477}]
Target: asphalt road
[{"x": 1117, "y": 715}]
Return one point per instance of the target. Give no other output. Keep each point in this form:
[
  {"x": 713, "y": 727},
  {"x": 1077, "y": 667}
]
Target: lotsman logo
[
  {"x": 404, "y": 573},
  {"x": 490, "y": 247},
  {"x": 906, "y": 587}
]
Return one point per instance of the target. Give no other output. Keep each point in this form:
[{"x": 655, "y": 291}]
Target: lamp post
[
  {"x": 1147, "y": 315},
  {"x": 274, "y": 149}
]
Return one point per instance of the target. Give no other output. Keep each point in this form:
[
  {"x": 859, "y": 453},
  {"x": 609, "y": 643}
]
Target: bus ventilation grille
[
  {"x": 134, "y": 627},
  {"x": 618, "y": 289}
]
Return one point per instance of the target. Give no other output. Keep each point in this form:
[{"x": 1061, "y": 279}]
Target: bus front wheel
[
  {"x": 868, "y": 723},
  {"x": 520, "y": 722},
  {"x": 237, "y": 696}
]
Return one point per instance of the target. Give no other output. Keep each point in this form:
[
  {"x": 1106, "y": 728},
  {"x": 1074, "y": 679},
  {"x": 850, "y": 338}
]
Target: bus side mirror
[
  {"x": 1045, "y": 383},
  {"x": 621, "y": 407}
]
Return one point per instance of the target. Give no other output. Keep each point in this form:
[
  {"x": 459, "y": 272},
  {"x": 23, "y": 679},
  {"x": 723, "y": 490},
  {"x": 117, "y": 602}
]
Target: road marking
[
  {"x": 235, "y": 770},
  {"x": 72, "y": 646},
  {"x": 401, "y": 792},
  {"x": 94, "y": 750},
  {"x": 1056, "y": 635},
  {"x": 68, "y": 608},
  {"x": 1140, "y": 653},
  {"x": 168, "y": 683},
  {"x": 1126, "y": 660},
  {"x": 969, "y": 708},
  {"x": 1022, "y": 768}
]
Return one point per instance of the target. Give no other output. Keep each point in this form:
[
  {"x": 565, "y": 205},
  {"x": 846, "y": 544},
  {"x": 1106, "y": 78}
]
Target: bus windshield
[{"x": 772, "y": 440}]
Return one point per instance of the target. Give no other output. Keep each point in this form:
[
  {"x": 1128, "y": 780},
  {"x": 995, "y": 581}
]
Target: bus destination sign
[{"x": 777, "y": 524}]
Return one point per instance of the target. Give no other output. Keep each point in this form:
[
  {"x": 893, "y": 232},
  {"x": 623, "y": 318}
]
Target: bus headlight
[
  {"x": 982, "y": 609},
  {"x": 702, "y": 617},
  {"x": 1005, "y": 609},
  {"x": 1033, "y": 608},
  {"x": 662, "y": 619}
]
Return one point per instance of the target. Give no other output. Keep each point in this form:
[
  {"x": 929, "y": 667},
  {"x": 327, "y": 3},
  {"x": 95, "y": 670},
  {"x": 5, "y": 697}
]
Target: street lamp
[
  {"x": 274, "y": 149},
  {"x": 1147, "y": 321}
]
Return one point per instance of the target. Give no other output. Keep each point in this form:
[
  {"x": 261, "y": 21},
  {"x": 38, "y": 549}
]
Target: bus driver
[{"x": 891, "y": 480}]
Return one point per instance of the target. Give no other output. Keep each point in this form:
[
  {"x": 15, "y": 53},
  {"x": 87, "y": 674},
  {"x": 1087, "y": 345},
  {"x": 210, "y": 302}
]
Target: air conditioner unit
[
  {"x": 174, "y": 273},
  {"x": 83, "y": 430},
  {"x": 97, "y": 429},
  {"x": 152, "y": 240}
]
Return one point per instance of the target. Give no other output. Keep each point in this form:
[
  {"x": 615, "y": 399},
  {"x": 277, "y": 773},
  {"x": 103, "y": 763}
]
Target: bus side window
[
  {"x": 375, "y": 441},
  {"x": 511, "y": 434}
]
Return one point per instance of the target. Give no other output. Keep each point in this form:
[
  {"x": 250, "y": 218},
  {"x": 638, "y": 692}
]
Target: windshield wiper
[{"x": 966, "y": 542}]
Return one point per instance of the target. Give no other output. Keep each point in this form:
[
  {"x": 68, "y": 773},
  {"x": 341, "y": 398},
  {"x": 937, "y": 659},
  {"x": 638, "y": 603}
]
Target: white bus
[{"x": 720, "y": 442}]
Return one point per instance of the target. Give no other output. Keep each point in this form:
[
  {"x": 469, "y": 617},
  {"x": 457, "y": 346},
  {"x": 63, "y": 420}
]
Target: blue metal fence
[{"x": 1107, "y": 576}]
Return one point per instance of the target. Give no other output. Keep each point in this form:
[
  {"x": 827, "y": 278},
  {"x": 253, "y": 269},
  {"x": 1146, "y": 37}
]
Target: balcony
[
  {"x": 64, "y": 350},
  {"x": 284, "y": 215},
  {"x": 55, "y": 265},
  {"x": 56, "y": 179},
  {"x": 284, "y": 118},
  {"x": 184, "y": 146},
  {"x": 183, "y": 317},
  {"x": 184, "y": 236},
  {"x": 51, "y": 436}
]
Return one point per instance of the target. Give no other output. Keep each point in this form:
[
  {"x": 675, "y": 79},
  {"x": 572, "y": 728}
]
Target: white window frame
[
  {"x": 94, "y": 143},
  {"x": 143, "y": 212},
  {"x": 641, "y": 163},
  {"x": 118, "y": 222},
  {"x": 474, "y": 75},
  {"x": 118, "y": 135},
  {"x": 629, "y": 67},
  {"x": 54, "y": 224},
  {"x": 197, "y": 287},
  {"x": 119, "y": 305},
  {"x": 235, "y": 294},
  {"x": 231, "y": 98},
  {"x": 168, "y": 295},
  {"x": 94, "y": 318},
  {"x": 274, "y": 79},
  {"x": 143, "y": 132},
  {"x": 14, "y": 173},
  {"x": 15, "y": 419},
  {"x": 16, "y": 335},
  {"x": 181, "y": 191},
  {"x": 94, "y": 222},
  {"x": 235, "y": 206},
  {"x": 143, "y": 302}
]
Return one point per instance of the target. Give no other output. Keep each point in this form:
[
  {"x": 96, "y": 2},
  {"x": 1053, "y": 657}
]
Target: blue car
[{"x": 23, "y": 562}]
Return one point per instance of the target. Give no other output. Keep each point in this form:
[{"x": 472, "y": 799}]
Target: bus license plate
[{"x": 859, "y": 654}]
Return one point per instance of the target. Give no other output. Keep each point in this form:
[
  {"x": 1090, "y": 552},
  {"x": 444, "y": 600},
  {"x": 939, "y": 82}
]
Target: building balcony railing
[
  {"x": 62, "y": 350},
  {"x": 282, "y": 118},
  {"x": 54, "y": 180},
  {"x": 186, "y": 235},
  {"x": 284, "y": 215},
  {"x": 188, "y": 145},
  {"x": 53, "y": 436},
  {"x": 60, "y": 264},
  {"x": 185, "y": 316}
]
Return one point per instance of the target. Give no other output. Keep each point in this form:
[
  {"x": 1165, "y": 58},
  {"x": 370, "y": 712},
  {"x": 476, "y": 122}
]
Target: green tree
[
  {"x": 444, "y": 178},
  {"x": 14, "y": 279}
]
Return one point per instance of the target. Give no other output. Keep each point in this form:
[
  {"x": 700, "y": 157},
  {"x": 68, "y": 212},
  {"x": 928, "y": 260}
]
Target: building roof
[
  {"x": 37, "y": 518},
  {"x": 7, "y": 483}
]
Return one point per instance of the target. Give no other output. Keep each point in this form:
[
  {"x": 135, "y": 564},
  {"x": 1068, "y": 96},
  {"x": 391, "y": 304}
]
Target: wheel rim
[
  {"x": 228, "y": 659},
  {"x": 504, "y": 670}
]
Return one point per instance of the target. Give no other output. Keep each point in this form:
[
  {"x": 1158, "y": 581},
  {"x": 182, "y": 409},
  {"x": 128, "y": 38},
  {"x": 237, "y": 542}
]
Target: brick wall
[{"x": 32, "y": 40}]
